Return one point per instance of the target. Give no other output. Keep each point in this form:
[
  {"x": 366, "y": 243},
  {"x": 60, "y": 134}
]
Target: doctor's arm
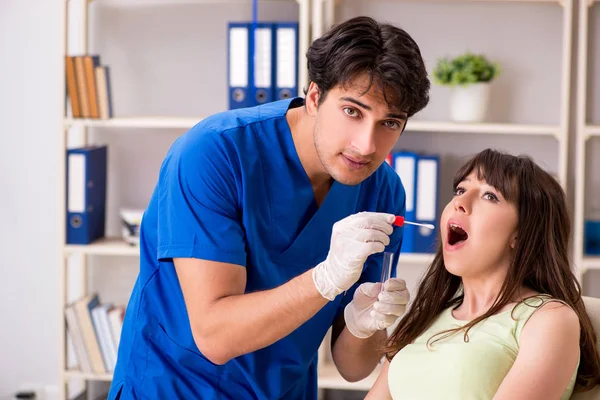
[
  {"x": 359, "y": 333},
  {"x": 354, "y": 358},
  {"x": 547, "y": 358},
  {"x": 227, "y": 323}
]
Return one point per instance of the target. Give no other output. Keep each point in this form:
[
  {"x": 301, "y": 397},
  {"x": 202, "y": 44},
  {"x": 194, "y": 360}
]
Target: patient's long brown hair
[{"x": 540, "y": 258}]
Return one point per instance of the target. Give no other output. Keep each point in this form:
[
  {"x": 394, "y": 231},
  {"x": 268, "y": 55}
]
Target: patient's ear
[{"x": 513, "y": 241}]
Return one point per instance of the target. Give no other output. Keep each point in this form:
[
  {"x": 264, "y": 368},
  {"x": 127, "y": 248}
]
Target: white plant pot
[{"x": 470, "y": 103}]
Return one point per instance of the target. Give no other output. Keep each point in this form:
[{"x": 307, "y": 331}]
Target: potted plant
[{"x": 470, "y": 76}]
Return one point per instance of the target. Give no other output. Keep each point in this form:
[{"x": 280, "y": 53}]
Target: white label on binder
[
  {"x": 405, "y": 168},
  {"x": 426, "y": 190},
  {"x": 76, "y": 182},
  {"x": 286, "y": 57},
  {"x": 262, "y": 60},
  {"x": 238, "y": 57}
]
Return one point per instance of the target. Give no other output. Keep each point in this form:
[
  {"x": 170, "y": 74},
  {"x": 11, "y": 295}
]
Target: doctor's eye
[
  {"x": 351, "y": 112},
  {"x": 391, "y": 124}
]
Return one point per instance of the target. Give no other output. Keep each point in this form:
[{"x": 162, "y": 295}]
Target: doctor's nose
[{"x": 364, "y": 142}]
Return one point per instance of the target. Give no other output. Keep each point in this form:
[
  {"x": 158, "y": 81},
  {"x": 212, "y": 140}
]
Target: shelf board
[
  {"x": 482, "y": 128},
  {"x": 414, "y": 126},
  {"x": 415, "y": 258},
  {"x": 118, "y": 247},
  {"x": 330, "y": 378},
  {"x": 495, "y": 1},
  {"x": 146, "y": 3},
  {"x": 592, "y": 130},
  {"x": 106, "y": 246},
  {"x": 89, "y": 376},
  {"x": 135, "y": 122},
  {"x": 591, "y": 262}
]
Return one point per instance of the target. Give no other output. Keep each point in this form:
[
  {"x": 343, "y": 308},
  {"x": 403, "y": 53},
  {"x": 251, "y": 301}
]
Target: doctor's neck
[{"x": 302, "y": 126}]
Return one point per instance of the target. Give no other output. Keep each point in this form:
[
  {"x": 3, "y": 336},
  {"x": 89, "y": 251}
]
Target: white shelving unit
[
  {"x": 323, "y": 12},
  {"x": 323, "y": 16},
  {"x": 122, "y": 125},
  {"x": 586, "y": 132},
  {"x": 314, "y": 17}
]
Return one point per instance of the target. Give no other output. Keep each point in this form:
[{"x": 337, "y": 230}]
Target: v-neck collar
[{"x": 341, "y": 201}]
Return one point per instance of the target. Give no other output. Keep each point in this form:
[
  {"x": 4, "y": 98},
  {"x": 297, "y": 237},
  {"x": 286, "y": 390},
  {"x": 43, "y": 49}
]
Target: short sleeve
[
  {"x": 394, "y": 203},
  {"x": 198, "y": 207}
]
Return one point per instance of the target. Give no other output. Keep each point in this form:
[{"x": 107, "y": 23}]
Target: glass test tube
[{"x": 386, "y": 267}]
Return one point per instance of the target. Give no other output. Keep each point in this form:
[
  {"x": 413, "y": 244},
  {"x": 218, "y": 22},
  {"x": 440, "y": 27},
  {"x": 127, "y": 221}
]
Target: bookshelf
[
  {"x": 314, "y": 17},
  {"x": 588, "y": 132},
  {"x": 327, "y": 12},
  {"x": 413, "y": 125}
]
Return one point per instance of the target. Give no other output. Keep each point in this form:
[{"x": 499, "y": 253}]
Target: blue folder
[
  {"x": 262, "y": 51},
  {"x": 286, "y": 56},
  {"x": 240, "y": 69},
  {"x": 405, "y": 165},
  {"x": 86, "y": 194},
  {"x": 427, "y": 189}
]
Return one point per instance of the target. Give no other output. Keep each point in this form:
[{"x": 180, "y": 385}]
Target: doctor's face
[{"x": 355, "y": 130}]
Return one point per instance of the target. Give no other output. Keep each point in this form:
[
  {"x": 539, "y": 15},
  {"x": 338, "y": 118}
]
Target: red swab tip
[{"x": 399, "y": 221}]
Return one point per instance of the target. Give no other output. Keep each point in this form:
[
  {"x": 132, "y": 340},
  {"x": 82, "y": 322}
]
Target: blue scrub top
[{"x": 232, "y": 189}]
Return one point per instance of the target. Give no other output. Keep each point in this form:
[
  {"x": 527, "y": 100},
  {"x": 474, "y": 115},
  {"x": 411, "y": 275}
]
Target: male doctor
[{"x": 267, "y": 227}]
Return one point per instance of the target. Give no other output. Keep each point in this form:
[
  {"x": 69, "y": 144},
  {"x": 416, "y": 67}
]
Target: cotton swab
[{"x": 400, "y": 221}]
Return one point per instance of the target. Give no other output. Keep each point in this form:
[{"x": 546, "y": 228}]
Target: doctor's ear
[
  {"x": 513, "y": 242},
  {"x": 312, "y": 99}
]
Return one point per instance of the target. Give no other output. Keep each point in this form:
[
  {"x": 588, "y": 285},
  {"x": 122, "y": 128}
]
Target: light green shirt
[{"x": 455, "y": 369}]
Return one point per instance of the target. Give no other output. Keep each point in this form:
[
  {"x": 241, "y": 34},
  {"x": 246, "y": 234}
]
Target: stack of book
[
  {"x": 88, "y": 87},
  {"x": 95, "y": 330}
]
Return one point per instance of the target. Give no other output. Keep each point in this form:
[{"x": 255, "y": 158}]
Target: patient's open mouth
[{"x": 456, "y": 234}]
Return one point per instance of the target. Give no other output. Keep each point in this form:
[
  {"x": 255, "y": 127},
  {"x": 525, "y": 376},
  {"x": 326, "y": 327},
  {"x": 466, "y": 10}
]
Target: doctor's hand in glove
[
  {"x": 372, "y": 309},
  {"x": 353, "y": 240}
]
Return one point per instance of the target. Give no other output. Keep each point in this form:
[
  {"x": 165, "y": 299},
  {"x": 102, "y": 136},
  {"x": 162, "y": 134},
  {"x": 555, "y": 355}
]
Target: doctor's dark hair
[
  {"x": 540, "y": 259},
  {"x": 386, "y": 53}
]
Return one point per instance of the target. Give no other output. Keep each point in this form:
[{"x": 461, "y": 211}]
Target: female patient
[{"x": 498, "y": 313}]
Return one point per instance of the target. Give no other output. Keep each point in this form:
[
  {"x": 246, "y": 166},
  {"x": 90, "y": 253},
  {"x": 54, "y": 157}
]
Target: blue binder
[
  {"x": 286, "y": 65},
  {"x": 86, "y": 194},
  {"x": 262, "y": 51},
  {"x": 426, "y": 196},
  {"x": 405, "y": 165},
  {"x": 239, "y": 68}
]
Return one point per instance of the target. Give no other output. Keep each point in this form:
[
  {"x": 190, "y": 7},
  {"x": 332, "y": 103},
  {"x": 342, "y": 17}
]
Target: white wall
[{"x": 30, "y": 61}]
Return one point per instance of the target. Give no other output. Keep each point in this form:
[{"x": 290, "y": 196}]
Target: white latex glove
[
  {"x": 373, "y": 310},
  {"x": 353, "y": 239}
]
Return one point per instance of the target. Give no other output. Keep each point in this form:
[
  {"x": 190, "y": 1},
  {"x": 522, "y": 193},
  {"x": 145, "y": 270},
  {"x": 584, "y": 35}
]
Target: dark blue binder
[
  {"x": 286, "y": 60},
  {"x": 426, "y": 197},
  {"x": 86, "y": 194},
  {"x": 262, "y": 53},
  {"x": 240, "y": 69},
  {"x": 405, "y": 165}
]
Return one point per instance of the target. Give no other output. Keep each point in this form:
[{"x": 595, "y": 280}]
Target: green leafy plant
[{"x": 465, "y": 69}]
